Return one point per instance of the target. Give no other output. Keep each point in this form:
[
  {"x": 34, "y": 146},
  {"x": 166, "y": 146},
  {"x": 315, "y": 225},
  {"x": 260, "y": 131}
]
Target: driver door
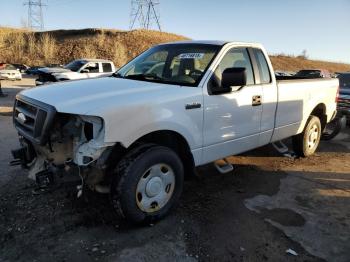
[{"x": 231, "y": 120}]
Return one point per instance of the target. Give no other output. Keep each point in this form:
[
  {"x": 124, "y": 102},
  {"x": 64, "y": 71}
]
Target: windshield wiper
[
  {"x": 144, "y": 77},
  {"x": 118, "y": 75}
]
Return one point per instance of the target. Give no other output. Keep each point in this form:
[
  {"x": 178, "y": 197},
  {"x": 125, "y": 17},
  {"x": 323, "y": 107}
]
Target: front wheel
[
  {"x": 306, "y": 143},
  {"x": 147, "y": 184}
]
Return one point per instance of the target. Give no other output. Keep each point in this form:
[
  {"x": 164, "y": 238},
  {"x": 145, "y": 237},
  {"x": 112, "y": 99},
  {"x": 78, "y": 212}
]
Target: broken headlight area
[{"x": 75, "y": 144}]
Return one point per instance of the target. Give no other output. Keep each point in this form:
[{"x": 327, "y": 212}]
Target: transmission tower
[
  {"x": 35, "y": 14},
  {"x": 145, "y": 14}
]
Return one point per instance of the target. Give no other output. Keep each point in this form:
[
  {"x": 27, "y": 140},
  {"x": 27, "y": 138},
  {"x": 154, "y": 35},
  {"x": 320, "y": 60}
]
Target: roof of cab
[
  {"x": 205, "y": 42},
  {"x": 213, "y": 42}
]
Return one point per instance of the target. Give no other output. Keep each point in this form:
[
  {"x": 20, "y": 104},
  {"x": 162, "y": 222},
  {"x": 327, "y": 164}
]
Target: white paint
[{"x": 224, "y": 125}]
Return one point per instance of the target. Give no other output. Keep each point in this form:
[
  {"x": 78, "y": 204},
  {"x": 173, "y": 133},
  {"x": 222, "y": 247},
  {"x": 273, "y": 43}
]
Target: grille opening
[
  {"x": 88, "y": 131},
  {"x": 33, "y": 119},
  {"x": 28, "y": 110}
]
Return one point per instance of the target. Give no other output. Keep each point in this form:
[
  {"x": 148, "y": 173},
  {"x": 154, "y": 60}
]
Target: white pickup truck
[
  {"x": 137, "y": 134},
  {"x": 75, "y": 70}
]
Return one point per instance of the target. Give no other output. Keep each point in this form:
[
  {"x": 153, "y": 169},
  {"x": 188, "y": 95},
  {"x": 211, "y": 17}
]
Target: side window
[
  {"x": 236, "y": 57},
  {"x": 93, "y": 68},
  {"x": 107, "y": 67},
  {"x": 264, "y": 72}
]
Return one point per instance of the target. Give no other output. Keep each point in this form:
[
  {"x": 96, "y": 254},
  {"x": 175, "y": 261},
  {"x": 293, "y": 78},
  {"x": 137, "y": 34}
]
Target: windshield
[
  {"x": 344, "y": 80},
  {"x": 178, "y": 64},
  {"x": 75, "y": 65}
]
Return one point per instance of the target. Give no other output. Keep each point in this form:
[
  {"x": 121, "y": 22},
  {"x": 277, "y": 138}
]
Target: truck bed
[
  {"x": 279, "y": 78},
  {"x": 297, "y": 98}
]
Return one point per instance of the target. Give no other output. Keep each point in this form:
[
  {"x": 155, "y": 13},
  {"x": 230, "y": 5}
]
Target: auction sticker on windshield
[{"x": 191, "y": 56}]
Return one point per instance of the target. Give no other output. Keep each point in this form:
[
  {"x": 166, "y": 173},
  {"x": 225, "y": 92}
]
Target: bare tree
[{"x": 304, "y": 54}]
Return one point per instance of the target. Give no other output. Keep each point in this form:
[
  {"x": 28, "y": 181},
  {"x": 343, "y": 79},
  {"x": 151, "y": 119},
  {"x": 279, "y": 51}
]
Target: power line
[
  {"x": 35, "y": 14},
  {"x": 144, "y": 14}
]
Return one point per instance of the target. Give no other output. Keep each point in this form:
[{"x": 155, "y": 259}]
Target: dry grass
[
  {"x": 62, "y": 46},
  {"x": 290, "y": 63}
]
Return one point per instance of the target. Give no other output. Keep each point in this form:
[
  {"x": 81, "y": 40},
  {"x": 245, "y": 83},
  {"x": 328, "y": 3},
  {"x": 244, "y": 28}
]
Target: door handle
[
  {"x": 193, "y": 105},
  {"x": 256, "y": 101}
]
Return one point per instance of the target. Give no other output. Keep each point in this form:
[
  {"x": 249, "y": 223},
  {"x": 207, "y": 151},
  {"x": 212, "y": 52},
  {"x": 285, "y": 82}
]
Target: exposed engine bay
[{"x": 73, "y": 142}]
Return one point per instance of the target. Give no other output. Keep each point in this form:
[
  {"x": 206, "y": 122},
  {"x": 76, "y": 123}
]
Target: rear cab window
[{"x": 263, "y": 67}]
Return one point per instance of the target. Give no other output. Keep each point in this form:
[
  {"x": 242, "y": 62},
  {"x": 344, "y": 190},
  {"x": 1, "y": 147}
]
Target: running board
[
  {"x": 223, "y": 166},
  {"x": 280, "y": 147},
  {"x": 283, "y": 149}
]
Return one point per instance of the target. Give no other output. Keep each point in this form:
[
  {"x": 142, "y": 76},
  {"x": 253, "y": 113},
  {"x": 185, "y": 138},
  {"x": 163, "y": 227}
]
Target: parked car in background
[
  {"x": 313, "y": 73},
  {"x": 34, "y": 70},
  {"x": 284, "y": 73},
  {"x": 343, "y": 108},
  {"x": 54, "y": 65},
  {"x": 9, "y": 72},
  {"x": 280, "y": 73},
  {"x": 77, "y": 69},
  {"x": 344, "y": 94},
  {"x": 21, "y": 67}
]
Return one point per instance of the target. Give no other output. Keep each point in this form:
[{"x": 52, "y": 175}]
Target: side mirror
[
  {"x": 235, "y": 76},
  {"x": 85, "y": 71},
  {"x": 232, "y": 79}
]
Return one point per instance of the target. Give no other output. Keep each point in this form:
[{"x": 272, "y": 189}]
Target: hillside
[
  {"x": 62, "y": 46},
  {"x": 290, "y": 63}
]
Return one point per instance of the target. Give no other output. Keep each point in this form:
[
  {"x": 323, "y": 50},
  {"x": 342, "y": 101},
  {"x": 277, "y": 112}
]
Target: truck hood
[
  {"x": 50, "y": 70},
  {"x": 94, "y": 96}
]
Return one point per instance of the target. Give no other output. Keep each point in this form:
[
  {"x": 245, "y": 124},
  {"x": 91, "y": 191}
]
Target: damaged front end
[{"x": 56, "y": 144}]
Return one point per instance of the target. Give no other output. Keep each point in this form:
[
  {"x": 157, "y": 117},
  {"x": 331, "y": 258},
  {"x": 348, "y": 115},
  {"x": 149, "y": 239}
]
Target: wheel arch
[
  {"x": 172, "y": 140},
  {"x": 167, "y": 138},
  {"x": 321, "y": 112}
]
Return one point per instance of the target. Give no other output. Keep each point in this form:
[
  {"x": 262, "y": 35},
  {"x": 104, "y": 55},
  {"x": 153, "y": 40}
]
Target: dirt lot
[{"x": 269, "y": 204}]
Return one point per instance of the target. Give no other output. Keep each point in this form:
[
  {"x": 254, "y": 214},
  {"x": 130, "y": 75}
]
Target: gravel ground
[
  {"x": 11, "y": 88},
  {"x": 267, "y": 205}
]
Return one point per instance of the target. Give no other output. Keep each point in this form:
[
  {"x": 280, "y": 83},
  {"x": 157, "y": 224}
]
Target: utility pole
[
  {"x": 35, "y": 14},
  {"x": 144, "y": 13}
]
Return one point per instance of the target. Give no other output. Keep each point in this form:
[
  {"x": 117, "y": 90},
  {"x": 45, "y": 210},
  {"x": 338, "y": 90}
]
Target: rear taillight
[{"x": 337, "y": 95}]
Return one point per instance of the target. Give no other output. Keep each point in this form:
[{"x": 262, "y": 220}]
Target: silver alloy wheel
[
  {"x": 155, "y": 188},
  {"x": 313, "y": 136}
]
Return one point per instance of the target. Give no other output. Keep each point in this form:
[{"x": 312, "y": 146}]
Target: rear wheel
[
  {"x": 306, "y": 143},
  {"x": 147, "y": 184}
]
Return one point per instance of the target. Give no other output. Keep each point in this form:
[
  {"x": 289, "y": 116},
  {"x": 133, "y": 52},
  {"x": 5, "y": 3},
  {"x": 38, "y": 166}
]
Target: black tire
[
  {"x": 129, "y": 172},
  {"x": 300, "y": 141},
  {"x": 332, "y": 129}
]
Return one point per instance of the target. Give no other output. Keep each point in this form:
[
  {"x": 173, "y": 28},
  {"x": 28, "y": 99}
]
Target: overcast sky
[{"x": 322, "y": 27}]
